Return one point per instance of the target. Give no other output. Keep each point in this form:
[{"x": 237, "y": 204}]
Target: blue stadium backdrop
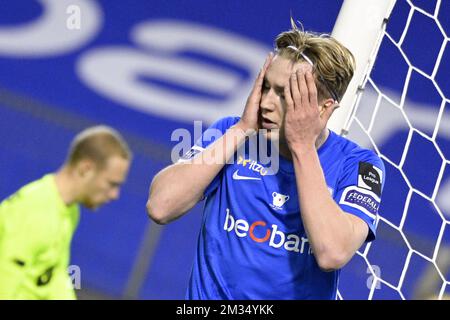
[{"x": 150, "y": 67}]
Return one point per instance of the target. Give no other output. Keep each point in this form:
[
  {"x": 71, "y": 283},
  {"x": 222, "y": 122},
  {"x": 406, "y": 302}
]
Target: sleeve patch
[
  {"x": 370, "y": 177},
  {"x": 191, "y": 153},
  {"x": 366, "y": 201}
]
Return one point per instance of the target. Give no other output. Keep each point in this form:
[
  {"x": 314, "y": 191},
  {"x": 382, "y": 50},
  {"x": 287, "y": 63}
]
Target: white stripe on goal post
[{"x": 360, "y": 27}]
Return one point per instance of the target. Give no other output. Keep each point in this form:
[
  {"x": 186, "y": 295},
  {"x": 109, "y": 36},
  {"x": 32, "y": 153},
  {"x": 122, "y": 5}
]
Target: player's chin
[{"x": 92, "y": 206}]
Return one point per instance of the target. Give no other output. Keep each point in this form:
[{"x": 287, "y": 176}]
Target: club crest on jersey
[{"x": 278, "y": 200}]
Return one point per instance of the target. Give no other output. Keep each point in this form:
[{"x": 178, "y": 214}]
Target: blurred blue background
[{"x": 148, "y": 68}]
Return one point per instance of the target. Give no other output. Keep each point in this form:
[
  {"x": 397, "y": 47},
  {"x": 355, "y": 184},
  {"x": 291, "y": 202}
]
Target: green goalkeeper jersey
[{"x": 36, "y": 229}]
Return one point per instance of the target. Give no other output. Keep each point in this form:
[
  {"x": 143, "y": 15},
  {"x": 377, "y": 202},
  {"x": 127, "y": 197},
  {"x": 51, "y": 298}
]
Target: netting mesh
[{"x": 403, "y": 114}]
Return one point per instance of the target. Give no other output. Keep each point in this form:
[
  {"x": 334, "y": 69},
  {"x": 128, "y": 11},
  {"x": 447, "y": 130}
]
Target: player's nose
[{"x": 267, "y": 102}]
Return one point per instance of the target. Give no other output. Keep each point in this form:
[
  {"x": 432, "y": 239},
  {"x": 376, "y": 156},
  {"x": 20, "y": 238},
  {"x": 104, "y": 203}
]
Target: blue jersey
[{"x": 253, "y": 244}]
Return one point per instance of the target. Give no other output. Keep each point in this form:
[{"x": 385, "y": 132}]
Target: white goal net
[{"x": 402, "y": 111}]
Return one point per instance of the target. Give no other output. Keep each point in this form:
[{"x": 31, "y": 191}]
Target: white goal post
[{"x": 360, "y": 27}]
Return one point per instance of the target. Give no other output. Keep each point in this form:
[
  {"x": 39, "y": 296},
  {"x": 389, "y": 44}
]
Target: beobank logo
[{"x": 275, "y": 238}]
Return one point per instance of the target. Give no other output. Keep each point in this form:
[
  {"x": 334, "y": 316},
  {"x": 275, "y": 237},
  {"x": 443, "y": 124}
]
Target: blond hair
[
  {"x": 334, "y": 64},
  {"x": 98, "y": 143}
]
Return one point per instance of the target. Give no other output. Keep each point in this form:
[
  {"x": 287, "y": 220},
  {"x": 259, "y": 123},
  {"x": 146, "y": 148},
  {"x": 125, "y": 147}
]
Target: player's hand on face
[
  {"x": 304, "y": 121},
  {"x": 249, "y": 119}
]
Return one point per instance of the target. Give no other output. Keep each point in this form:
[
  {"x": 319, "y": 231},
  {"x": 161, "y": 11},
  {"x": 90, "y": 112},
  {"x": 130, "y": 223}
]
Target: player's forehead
[{"x": 281, "y": 69}]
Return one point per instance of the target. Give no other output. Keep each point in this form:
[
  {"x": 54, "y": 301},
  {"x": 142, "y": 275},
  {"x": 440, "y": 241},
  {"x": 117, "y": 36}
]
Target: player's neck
[
  {"x": 286, "y": 152},
  {"x": 65, "y": 185}
]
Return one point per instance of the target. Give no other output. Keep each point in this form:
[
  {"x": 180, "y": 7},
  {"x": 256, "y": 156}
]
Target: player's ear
[
  {"x": 85, "y": 167},
  {"x": 328, "y": 105}
]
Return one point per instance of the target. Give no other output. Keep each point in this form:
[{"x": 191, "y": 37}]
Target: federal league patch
[{"x": 364, "y": 200}]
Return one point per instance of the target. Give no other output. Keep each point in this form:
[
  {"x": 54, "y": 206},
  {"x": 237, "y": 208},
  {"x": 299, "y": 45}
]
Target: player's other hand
[
  {"x": 249, "y": 118},
  {"x": 304, "y": 119}
]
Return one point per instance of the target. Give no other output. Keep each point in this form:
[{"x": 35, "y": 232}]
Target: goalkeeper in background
[
  {"x": 283, "y": 235},
  {"x": 37, "y": 222}
]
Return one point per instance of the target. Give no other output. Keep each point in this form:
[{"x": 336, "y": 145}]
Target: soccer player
[
  {"x": 287, "y": 234},
  {"x": 38, "y": 221}
]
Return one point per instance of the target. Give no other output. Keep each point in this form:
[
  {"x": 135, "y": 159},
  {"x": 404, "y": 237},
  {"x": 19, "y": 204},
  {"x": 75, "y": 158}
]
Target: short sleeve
[
  {"x": 360, "y": 187},
  {"x": 214, "y": 132}
]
